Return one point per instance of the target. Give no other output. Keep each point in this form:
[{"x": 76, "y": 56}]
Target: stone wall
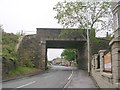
[
  {"x": 116, "y": 62},
  {"x": 115, "y": 46},
  {"x": 28, "y": 52},
  {"x": 7, "y": 66},
  {"x": 103, "y": 79}
]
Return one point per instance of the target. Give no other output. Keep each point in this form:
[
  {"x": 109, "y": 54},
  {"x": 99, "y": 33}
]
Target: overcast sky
[{"x": 27, "y": 15}]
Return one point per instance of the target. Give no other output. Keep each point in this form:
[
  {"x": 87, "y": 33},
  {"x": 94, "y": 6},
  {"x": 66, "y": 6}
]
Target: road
[{"x": 56, "y": 77}]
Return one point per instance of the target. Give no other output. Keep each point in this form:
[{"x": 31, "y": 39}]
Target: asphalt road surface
[{"x": 56, "y": 77}]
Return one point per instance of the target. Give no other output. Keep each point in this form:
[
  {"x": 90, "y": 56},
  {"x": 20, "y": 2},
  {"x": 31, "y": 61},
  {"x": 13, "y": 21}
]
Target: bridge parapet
[
  {"x": 65, "y": 39},
  {"x": 54, "y": 34}
]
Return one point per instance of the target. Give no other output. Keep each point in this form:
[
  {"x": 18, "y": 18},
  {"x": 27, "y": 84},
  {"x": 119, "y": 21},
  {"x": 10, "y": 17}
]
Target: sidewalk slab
[{"x": 81, "y": 79}]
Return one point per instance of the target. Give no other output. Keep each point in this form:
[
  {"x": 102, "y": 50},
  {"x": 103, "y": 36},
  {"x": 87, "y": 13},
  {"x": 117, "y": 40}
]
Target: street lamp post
[
  {"x": 88, "y": 47},
  {"x": 88, "y": 40},
  {"x": 88, "y": 43}
]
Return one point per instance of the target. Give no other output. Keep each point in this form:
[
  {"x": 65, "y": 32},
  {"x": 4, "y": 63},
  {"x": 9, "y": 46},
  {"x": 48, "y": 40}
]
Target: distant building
[
  {"x": 62, "y": 62},
  {"x": 57, "y": 61}
]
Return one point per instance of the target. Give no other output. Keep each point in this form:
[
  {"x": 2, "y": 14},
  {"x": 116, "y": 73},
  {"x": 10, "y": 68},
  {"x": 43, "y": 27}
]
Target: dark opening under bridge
[{"x": 50, "y": 38}]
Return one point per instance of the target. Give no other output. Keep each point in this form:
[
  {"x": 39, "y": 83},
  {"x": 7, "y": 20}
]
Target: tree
[
  {"x": 1, "y": 30},
  {"x": 18, "y": 34},
  {"x": 69, "y": 54},
  {"x": 84, "y": 14}
]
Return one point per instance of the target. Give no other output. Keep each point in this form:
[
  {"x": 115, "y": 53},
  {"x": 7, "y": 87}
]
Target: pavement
[{"x": 81, "y": 79}]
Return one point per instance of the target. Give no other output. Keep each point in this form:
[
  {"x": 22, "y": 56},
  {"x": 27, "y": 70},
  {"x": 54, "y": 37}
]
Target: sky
[
  {"x": 27, "y": 15},
  {"x": 54, "y": 53}
]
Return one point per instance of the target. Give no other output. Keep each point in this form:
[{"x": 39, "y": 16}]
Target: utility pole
[
  {"x": 88, "y": 46},
  {"x": 88, "y": 43},
  {"x": 88, "y": 40}
]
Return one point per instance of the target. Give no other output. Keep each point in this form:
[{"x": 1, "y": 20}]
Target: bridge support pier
[
  {"x": 43, "y": 58},
  {"x": 82, "y": 58}
]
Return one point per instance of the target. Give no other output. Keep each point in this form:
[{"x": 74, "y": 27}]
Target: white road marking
[
  {"x": 69, "y": 80},
  {"x": 26, "y": 84},
  {"x": 70, "y": 75}
]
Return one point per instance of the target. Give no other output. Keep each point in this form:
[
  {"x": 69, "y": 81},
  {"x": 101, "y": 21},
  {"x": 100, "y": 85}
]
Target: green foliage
[
  {"x": 69, "y": 54},
  {"x": 1, "y": 40},
  {"x": 83, "y": 14},
  {"x": 1, "y": 29},
  {"x": 9, "y": 42},
  {"x": 97, "y": 44},
  {"x": 72, "y": 33},
  {"x": 109, "y": 37},
  {"x": 18, "y": 34},
  {"x": 20, "y": 71}
]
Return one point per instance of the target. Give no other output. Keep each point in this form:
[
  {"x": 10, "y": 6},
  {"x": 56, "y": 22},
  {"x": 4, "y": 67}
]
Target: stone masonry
[
  {"x": 115, "y": 46},
  {"x": 49, "y": 38},
  {"x": 109, "y": 79}
]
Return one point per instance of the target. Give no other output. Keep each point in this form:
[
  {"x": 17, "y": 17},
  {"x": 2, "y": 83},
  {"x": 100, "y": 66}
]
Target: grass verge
[{"x": 20, "y": 71}]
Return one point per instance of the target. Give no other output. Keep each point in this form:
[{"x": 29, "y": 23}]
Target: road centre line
[
  {"x": 69, "y": 80},
  {"x": 70, "y": 75},
  {"x": 26, "y": 84}
]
